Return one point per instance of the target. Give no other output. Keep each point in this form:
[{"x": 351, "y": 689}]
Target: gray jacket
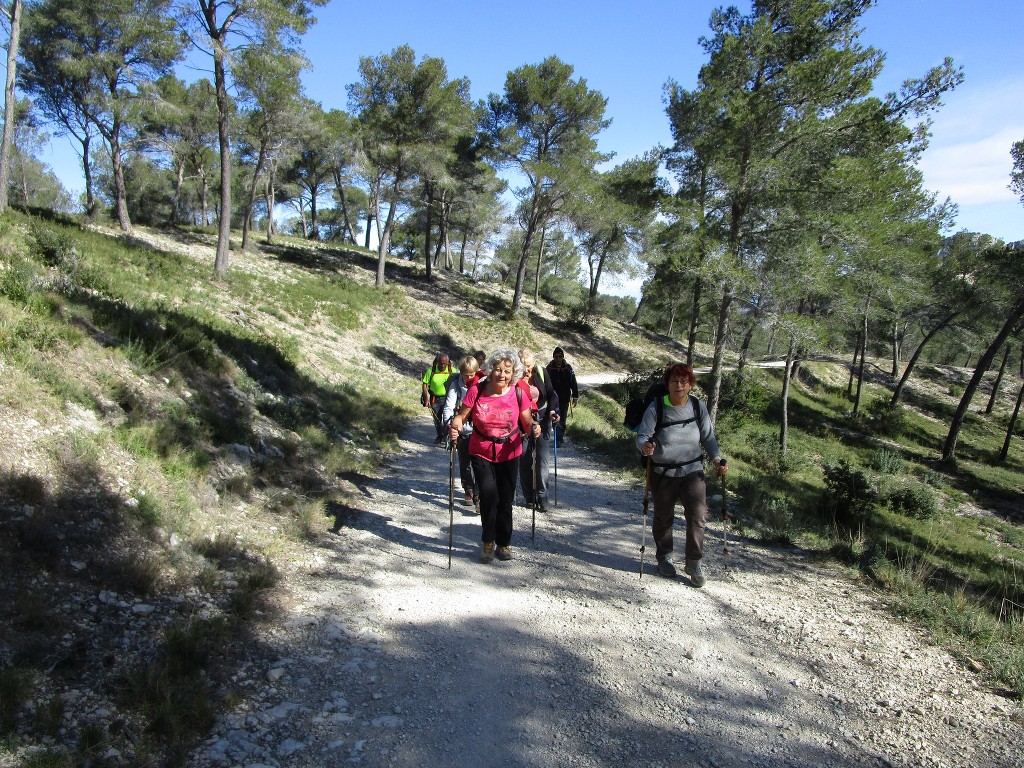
[
  {"x": 677, "y": 450},
  {"x": 457, "y": 390}
]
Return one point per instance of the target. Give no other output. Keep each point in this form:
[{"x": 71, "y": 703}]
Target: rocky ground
[{"x": 566, "y": 657}]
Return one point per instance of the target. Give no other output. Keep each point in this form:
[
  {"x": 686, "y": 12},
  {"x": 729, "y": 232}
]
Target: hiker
[
  {"x": 677, "y": 468},
  {"x": 481, "y": 359},
  {"x": 434, "y": 381},
  {"x": 545, "y": 402},
  {"x": 500, "y": 413},
  {"x": 563, "y": 379},
  {"x": 458, "y": 386}
]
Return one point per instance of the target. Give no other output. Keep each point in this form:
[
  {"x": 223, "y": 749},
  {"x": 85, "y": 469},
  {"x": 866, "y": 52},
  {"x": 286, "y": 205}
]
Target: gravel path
[{"x": 564, "y": 657}]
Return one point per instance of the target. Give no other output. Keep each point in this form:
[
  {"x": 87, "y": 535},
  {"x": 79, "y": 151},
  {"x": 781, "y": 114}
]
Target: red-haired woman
[{"x": 677, "y": 468}]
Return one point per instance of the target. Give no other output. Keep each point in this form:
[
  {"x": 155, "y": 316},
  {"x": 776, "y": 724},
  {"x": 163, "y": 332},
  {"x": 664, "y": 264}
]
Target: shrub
[
  {"x": 848, "y": 494},
  {"x": 886, "y": 419},
  {"x": 887, "y": 462},
  {"x": 54, "y": 246},
  {"x": 744, "y": 392},
  {"x": 914, "y": 500}
]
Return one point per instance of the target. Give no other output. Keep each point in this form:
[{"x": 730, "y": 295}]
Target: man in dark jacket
[{"x": 563, "y": 379}]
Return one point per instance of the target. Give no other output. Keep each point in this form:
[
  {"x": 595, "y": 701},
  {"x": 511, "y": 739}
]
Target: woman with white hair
[{"x": 500, "y": 413}]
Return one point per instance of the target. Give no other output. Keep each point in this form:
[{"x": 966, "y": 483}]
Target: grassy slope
[{"x": 167, "y": 434}]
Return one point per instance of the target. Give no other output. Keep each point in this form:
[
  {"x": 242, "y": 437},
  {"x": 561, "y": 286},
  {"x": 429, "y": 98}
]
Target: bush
[
  {"x": 54, "y": 246},
  {"x": 848, "y": 494},
  {"x": 887, "y": 462},
  {"x": 886, "y": 419},
  {"x": 915, "y": 500},
  {"x": 744, "y": 392}
]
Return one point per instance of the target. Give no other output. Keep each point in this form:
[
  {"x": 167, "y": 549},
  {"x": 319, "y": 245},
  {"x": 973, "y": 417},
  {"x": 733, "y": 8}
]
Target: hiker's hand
[
  {"x": 454, "y": 430},
  {"x": 423, "y": 400},
  {"x": 535, "y": 430},
  {"x": 555, "y": 418},
  {"x": 721, "y": 466},
  {"x": 648, "y": 449},
  {"x": 574, "y": 401}
]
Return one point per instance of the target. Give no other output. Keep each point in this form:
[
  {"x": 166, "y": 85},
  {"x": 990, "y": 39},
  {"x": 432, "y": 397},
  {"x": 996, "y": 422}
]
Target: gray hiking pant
[{"x": 691, "y": 491}]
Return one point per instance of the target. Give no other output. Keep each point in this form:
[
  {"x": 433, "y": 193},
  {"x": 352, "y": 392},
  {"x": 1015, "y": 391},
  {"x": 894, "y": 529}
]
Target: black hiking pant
[{"x": 496, "y": 483}]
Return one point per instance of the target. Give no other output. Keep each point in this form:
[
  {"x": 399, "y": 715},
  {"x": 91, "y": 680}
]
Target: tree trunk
[
  {"x": 347, "y": 232},
  {"x": 116, "y": 161},
  {"x": 384, "y": 233},
  {"x": 1014, "y": 316},
  {"x": 429, "y": 205},
  {"x": 999, "y": 380},
  {"x": 91, "y": 203},
  {"x": 251, "y": 202},
  {"x": 540, "y": 259},
  {"x": 721, "y": 332},
  {"x": 745, "y": 346},
  {"x": 269, "y": 197},
  {"x": 863, "y": 355},
  {"x": 636, "y": 315},
  {"x": 691, "y": 333},
  {"x": 1013, "y": 422},
  {"x": 532, "y": 221},
  {"x": 10, "y": 100},
  {"x": 898, "y": 392},
  {"x": 896, "y": 350},
  {"x": 462, "y": 251},
  {"x": 786, "y": 379},
  {"x": 224, "y": 139},
  {"x": 853, "y": 367}
]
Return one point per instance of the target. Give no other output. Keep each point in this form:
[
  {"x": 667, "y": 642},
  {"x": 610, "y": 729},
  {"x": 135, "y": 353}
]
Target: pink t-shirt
[{"x": 495, "y": 416}]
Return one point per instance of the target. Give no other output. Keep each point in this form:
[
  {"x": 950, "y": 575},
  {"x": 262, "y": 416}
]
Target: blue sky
[{"x": 627, "y": 51}]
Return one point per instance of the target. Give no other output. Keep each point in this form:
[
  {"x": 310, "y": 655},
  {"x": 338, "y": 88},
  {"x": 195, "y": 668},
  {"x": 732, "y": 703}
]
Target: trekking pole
[
  {"x": 554, "y": 434},
  {"x": 533, "y": 525},
  {"x": 452, "y": 498},
  {"x": 725, "y": 515},
  {"x": 643, "y": 524}
]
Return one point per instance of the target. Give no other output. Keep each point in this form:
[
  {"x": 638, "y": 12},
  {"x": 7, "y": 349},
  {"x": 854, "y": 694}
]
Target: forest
[{"x": 787, "y": 219}]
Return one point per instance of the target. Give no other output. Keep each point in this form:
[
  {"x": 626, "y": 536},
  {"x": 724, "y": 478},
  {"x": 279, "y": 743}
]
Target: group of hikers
[{"x": 485, "y": 409}]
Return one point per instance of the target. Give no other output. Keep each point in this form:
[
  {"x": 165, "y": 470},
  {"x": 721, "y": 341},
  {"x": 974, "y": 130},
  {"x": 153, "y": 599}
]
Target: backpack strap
[{"x": 659, "y": 424}]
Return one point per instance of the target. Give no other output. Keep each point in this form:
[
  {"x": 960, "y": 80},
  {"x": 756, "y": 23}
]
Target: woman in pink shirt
[{"x": 500, "y": 413}]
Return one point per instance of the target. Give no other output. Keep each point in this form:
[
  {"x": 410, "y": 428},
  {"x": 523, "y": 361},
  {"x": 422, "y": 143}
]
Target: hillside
[{"x": 200, "y": 479}]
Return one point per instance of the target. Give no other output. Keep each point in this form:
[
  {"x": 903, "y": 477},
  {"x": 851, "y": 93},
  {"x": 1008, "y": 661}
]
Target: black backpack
[{"x": 637, "y": 407}]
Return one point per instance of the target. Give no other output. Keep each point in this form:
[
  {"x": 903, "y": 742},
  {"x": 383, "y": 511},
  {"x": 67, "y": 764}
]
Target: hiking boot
[
  {"x": 542, "y": 506},
  {"x": 476, "y": 504},
  {"x": 487, "y": 552},
  {"x": 504, "y": 553},
  {"x": 696, "y": 574},
  {"x": 666, "y": 568},
  {"x": 469, "y": 499}
]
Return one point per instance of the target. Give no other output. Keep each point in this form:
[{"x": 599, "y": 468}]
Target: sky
[{"x": 628, "y": 51}]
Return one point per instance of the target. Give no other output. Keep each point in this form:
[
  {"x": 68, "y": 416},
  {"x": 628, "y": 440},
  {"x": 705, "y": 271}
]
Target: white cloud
[{"x": 968, "y": 158}]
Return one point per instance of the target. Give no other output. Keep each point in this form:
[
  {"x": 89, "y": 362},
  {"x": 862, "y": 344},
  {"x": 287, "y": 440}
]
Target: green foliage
[
  {"x": 576, "y": 317},
  {"x": 888, "y": 420},
  {"x": 849, "y": 495},
  {"x": 915, "y": 500},
  {"x": 887, "y": 461},
  {"x": 745, "y": 392}
]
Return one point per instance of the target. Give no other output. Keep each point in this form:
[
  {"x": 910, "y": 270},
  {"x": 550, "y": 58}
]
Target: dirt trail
[{"x": 564, "y": 657}]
